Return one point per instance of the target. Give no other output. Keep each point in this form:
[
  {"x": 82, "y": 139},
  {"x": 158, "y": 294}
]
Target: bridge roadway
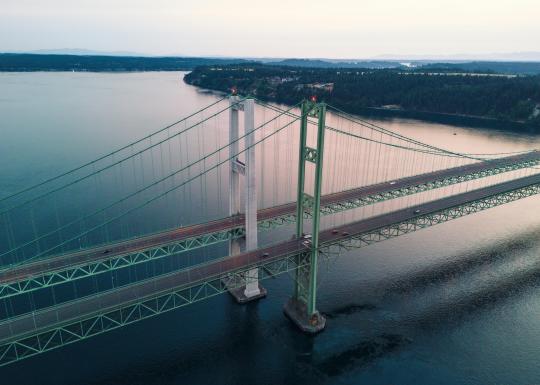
[
  {"x": 70, "y": 260},
  {"x": 79, "y": 310}
]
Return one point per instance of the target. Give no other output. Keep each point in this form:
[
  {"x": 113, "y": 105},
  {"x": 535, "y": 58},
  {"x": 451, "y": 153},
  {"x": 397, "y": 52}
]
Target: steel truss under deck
[
  {"x": 356, "y": 241},
  {"x": 20, "y": 347},
  {"x": 113, "y": 318},
  {"x": 418, "y": 188},
  {"x": 114, "y": 262}
]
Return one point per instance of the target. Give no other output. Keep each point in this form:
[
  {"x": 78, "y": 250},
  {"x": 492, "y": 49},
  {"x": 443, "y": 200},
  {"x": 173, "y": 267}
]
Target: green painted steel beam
[
  {"x": 24, "y": 346},
  {"x": 317, "y": 158},
  {"x": 305, "y": 289},
  {"x": 83, "y": 270},
  {"x": 336, "y": 207},
  {"x": 299, "y": 217},
  {"x": 113, "y": 318},
  {"x": 423, "y": 221},
  {"x": 76, "y": 272}
]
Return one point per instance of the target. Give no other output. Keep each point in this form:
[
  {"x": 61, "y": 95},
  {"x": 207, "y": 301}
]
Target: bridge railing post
[{"x": 301, "y": 308}]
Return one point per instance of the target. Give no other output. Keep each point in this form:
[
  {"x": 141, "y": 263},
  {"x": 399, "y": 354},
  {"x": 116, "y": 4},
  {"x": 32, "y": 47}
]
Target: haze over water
[{"x": 458, "y": 303}]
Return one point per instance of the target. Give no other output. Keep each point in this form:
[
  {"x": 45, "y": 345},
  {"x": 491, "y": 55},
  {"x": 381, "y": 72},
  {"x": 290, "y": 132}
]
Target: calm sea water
[{"x": 458, "y": 303}]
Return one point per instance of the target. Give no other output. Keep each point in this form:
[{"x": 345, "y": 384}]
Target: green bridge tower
[{"x": 301, "y": 308}]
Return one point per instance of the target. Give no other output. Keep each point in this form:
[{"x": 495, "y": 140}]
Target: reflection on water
[{"x": 458, "y": 303}]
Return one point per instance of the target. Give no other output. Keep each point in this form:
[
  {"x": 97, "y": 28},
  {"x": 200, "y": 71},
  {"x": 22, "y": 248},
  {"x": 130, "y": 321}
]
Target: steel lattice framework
[
  {"x": 23, "y": 346},
  {"x": 356, "y": 241},
  {"x": 113, "y": 318},
  {"x": 114, "y": 262}
]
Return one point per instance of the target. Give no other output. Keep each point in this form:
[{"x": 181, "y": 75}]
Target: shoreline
[
  {"x": 430, "y": 117},
  {"x": 366, "y": 112}
]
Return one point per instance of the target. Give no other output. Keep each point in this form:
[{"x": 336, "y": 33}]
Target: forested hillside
[{"x": 503, "y": 97}]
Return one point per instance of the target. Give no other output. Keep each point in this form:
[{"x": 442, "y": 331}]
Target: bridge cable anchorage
[
  {"x": 110, "y": 154},
  {"x": 93, "y": 173},
  {"x": 133, "y": 194}
]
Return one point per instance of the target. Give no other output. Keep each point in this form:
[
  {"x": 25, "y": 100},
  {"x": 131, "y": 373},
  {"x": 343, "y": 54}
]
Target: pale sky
[{"x": 273, "y": 28}]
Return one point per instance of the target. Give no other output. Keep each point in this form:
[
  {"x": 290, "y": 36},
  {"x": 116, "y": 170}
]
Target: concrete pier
[{"x": 296, "y": 311}]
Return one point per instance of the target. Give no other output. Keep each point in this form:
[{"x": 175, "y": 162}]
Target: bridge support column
[
  {"x": 234, "y": 172},
  {"x": 301, "y": 308},
  {"x": 251, "y": 290}
]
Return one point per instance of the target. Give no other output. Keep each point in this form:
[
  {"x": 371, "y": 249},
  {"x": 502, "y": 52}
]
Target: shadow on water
[
  {"x": 480, "y": 300},
  {"x": 239, "y": 355},
  {"x": 349, "y": 310},
  {"x": 457, "y": 265},
  {"x": 392, "y": 335},
  {"x": 305, "y": 359},
  {"x": 362, "y": 354}
]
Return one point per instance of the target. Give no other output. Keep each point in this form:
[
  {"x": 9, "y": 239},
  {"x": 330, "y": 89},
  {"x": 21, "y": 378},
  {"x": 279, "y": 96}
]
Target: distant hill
[
  {"x": 503, "y": 67},
  {"x": 320, "y": 63},
  {"x": 519, "y": 68},
  {"x": 33, "y": 62},
  {"x": 85, "y": 60},
  {"x": 526, "y": 56},
  {"x": 84, "y": 52}
]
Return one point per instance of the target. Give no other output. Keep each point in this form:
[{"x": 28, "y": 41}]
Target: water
[{"x": 458, "y": 303}]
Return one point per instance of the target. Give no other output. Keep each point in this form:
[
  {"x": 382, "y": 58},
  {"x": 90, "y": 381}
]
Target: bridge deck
[
  {"x": 66, "y": 261},
  {"x": 81, "y": 309}
]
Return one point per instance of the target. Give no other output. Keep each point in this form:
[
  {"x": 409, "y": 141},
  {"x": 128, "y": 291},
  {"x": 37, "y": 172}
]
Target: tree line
[{"x": 494, "y": 97}]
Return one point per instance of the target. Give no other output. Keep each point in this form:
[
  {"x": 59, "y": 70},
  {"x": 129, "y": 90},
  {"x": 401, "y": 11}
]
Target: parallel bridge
[{"x": 31, "y": 333}]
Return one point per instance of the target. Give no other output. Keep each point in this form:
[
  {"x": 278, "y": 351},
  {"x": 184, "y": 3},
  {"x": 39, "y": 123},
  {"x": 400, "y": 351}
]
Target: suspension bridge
[{"x": 235, "y": 193}]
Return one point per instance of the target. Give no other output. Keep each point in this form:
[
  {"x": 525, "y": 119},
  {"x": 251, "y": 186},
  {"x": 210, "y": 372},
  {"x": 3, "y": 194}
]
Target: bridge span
[
  {"x": 30, "y": 260},
  {"x": 52, "y": 271},
  {"x": 83, "y": 318}
]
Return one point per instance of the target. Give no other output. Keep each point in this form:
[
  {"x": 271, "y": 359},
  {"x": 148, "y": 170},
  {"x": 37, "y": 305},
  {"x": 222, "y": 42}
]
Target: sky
[{"x": 273, "y": 28}]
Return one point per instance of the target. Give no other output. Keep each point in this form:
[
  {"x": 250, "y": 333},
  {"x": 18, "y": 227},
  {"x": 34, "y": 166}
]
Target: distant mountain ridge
[
  {"x": 80, "y": 52},
  {"x": 526, "y": 56},
  {"x": 12, "y": 62},
  {"x": 523, "y": 56},
  {"x": 87, "y": 60},
  {"x": 321, "y": 63}
]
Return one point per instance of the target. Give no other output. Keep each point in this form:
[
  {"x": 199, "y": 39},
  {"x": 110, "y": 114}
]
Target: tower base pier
[
  {"x": 239, "y": 294},
  {"x": 296, "y": 311},
  {"x": 245, "y": 289}
]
